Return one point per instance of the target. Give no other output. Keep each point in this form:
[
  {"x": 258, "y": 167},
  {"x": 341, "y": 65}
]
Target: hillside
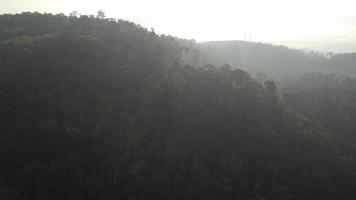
[
  {"x": 101, "y": 109},
  {"x": 269, "y": 59},
  {"x": 249, "y": 56}
]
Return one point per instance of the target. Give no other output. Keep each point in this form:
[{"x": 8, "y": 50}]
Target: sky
[{"x": 324, "y": 25}]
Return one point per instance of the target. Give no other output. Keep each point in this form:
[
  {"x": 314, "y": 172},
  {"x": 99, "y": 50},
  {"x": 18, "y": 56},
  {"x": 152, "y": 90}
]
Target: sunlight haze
[
  {"x": 320, "y": 25},
  {"x": 177, "y": 100}
]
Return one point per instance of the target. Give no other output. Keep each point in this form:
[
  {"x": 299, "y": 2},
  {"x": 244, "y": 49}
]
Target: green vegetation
[
  {"x": 266, "y": 58},
  {"x": 94, "y": 108}
]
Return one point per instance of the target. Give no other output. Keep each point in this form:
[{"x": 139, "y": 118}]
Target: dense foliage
[
  {"x": 93, "y": 108},
  {"x": 266, "y": 58}
]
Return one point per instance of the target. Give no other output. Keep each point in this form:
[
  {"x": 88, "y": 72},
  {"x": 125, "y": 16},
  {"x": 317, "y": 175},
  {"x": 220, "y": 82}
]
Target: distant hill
[
  {"x": 250, "y": 56},
  {"x": 266, "y": 58}
]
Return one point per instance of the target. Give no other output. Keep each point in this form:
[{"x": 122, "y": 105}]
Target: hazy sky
[{"x": 327, "y": 25}]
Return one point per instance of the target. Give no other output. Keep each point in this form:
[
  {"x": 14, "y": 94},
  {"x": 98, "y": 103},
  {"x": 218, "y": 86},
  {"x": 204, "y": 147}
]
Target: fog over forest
[
  {"x": 322, "y": 25},
  {"x": 99, "y": 108}
]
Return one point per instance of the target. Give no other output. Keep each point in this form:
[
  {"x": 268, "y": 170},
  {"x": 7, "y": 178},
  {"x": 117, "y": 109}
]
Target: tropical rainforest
[{"x": 93, "y": 108}]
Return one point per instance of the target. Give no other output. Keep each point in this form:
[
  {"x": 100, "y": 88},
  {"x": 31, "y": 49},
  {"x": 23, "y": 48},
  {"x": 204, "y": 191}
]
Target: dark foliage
[{"x": 93, "y": 108}]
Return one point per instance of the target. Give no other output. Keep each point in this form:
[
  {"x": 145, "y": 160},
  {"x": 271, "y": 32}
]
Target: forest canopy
[{"x": 101, "y": 109}]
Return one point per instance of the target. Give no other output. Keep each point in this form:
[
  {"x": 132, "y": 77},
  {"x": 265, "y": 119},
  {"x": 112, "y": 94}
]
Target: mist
[
  {"x": 178, "y": 100},
  {"x": 318, "y": 25}
]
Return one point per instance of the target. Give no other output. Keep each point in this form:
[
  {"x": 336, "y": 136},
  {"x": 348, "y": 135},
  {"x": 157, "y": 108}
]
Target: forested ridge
[
  {"x": 101, "y": 109},
  {"x": 257, "y": 57}
]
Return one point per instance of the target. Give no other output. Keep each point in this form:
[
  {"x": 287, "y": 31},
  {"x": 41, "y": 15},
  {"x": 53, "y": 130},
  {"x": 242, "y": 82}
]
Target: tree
[
  {"x": 100, "y": 15},
  {"x": 74, "y": 14}
]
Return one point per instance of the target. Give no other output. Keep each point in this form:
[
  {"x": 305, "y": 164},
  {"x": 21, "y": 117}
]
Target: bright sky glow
[{"x": 327, "y": 25}]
